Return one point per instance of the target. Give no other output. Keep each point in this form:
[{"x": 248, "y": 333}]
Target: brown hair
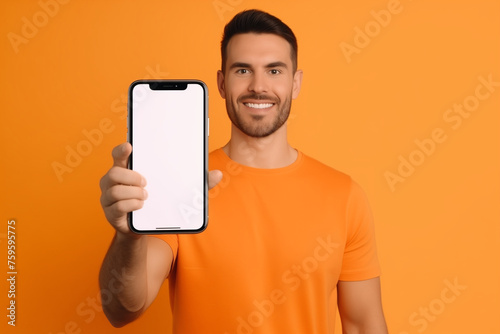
[{"x": 257, "y": 21}]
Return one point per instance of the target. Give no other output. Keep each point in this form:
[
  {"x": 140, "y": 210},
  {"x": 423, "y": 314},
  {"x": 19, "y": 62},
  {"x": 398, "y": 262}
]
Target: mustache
[{"x": 254, "y": 96}]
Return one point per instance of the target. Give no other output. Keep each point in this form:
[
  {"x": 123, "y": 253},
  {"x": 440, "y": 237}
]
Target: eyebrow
[
  {"x": 246, "y": 65},
  {"x": 277, "y": 64}
]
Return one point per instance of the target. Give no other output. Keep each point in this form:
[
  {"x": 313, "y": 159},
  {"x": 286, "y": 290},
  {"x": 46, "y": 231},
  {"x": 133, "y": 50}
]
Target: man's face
[{"x": 258, "y": 83}]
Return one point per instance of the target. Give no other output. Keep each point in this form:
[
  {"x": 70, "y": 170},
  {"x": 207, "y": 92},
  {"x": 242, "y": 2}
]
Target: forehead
[{"x": 255, "y": 49}]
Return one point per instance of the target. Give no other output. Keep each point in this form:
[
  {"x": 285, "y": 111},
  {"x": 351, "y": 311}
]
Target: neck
[{"x": 272, "y": 151}]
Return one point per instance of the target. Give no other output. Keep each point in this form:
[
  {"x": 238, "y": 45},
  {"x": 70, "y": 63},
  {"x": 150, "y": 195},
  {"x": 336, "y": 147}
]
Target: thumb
[
  {"x": 121, "y": 154},
  {"x": 214, "y": 177}
]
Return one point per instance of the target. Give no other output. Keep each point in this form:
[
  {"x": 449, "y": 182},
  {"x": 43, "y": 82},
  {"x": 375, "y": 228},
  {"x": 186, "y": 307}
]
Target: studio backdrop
[{"x": 402, "y": 95}]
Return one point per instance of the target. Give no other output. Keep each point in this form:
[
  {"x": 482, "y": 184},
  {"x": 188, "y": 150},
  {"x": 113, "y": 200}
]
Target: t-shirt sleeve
[
  {"x": 173, "y": 241},
  {"x": 360, "y": 260}
]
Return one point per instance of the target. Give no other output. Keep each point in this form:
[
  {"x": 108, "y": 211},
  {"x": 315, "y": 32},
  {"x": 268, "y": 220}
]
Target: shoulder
[
  {"x": 323, "y": 172},
  {"x": 215, "y": 154},
  {"x": 217, "y": 159}
]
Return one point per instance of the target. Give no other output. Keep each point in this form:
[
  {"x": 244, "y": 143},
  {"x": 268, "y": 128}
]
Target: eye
[
  {"x": 275, "y": 71},
  {"x": 242, "y": 71}
]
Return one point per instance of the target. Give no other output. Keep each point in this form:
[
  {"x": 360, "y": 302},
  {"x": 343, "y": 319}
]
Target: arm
[
  {"x": 360, "y": 307},
  {"x": 135, "y": 265},
  {"x": 132, "y": 274}
]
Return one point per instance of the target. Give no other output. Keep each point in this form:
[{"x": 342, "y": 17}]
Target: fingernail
[{"x": 145, "y": 193}]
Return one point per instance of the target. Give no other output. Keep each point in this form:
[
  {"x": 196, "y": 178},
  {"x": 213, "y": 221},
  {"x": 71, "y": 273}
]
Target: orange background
[{"x": 359, "y": 116}]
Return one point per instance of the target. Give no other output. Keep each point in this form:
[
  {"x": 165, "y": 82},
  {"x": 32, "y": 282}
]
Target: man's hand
[{"x": 123, "y": 190}]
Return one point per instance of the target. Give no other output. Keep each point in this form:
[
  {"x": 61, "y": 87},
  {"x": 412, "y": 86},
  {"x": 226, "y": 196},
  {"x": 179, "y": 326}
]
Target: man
[{"x": 289, "y": 238}]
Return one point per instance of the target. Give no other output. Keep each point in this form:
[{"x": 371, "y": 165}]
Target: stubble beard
[{"x": 257, "y": 127}]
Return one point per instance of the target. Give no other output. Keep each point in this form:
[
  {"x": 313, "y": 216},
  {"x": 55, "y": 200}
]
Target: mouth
[{"x": 258, "y": 105}]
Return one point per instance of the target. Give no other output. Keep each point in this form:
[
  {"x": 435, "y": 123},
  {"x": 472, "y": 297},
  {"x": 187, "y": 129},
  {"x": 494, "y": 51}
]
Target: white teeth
[{"x": 259, "y": 105}]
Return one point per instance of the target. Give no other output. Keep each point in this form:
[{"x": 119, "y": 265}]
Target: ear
[
  {"x": 221, "y": 84},
  {"x": 297, "y": 83}
]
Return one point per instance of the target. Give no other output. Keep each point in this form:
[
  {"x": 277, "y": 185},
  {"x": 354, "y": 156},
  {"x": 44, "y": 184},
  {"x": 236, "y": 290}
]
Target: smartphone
[{"x": 168, "y": 130}]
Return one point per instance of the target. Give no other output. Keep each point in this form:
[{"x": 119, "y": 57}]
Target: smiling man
[
  {"x": 290, "y": 239},
  {"x": 258, "y": 88}
]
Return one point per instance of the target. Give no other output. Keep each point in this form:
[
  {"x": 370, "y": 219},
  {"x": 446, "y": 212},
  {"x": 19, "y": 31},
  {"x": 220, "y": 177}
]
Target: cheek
[
  {"x": 284, "y": 91},
  {"x": 234, "y": 88}
]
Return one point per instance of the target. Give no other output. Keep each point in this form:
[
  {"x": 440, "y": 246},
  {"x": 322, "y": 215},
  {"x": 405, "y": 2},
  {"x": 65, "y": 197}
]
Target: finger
[
  {"x": 121, "y": 193},
  {"x": 121, "y": 154},
  {"x": 214, "y": 177},
  {"x": 120, "y": 175},
  {"x": 121, "y": 208}
]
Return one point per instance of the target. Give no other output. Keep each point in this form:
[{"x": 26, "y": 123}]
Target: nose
[{"x": 258, "y": 83}]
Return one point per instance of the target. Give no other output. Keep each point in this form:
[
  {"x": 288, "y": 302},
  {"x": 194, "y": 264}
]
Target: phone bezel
[{"x": 172, "y": 84}]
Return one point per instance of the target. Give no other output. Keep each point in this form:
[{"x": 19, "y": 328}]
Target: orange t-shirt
[{"x": 277, "y": 243}]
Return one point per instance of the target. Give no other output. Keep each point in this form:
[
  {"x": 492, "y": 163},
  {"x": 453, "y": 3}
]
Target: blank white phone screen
[{"x": 168, "y": 150}]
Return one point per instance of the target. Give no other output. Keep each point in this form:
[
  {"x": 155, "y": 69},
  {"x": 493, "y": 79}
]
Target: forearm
[{"x": 123, "y": 279}]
